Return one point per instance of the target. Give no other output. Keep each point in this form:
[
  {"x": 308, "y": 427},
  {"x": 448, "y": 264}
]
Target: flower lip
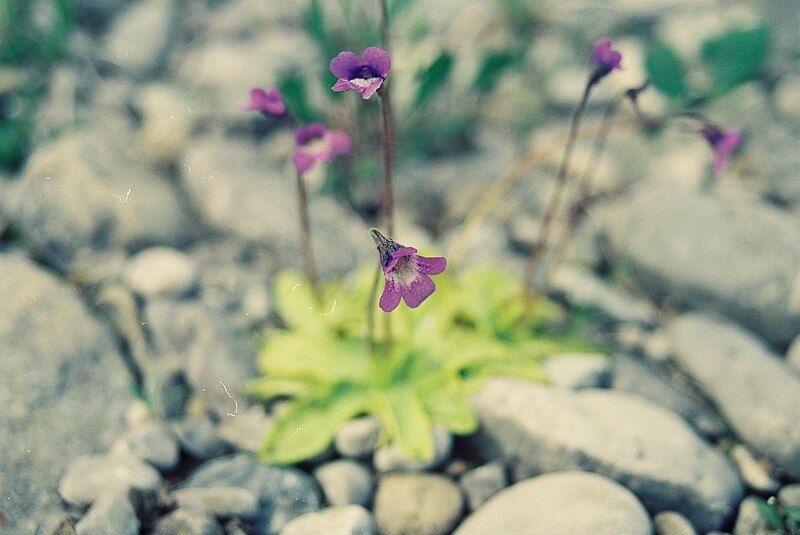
[{"x": 268, "y": 102}]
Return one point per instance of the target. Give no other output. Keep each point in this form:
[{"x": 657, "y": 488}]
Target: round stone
[{"x": 417, "y": 504}]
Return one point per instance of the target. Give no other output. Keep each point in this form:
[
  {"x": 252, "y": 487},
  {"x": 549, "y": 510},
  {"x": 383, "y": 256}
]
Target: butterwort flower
[
  {"x": 315, "y": 144},
  {"x": 605, "y": 59},
  {"x": 405, "y": 272},
  {"x": 364, "y": 74},
  {"x": 723, "y": 143},
  {"x": 270, "y": 103}
]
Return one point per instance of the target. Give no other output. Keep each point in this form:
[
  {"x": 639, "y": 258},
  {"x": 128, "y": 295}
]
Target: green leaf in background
[
  {"x": 770, "y": 513},
  {"x": 293, "y": 89},
  {"x": 315, "y": 23},
  {"x": 736, "y": 56},
  {"x": 434, "y": 77},
  {"x": 492, "y": 67},
  {"x": 666, "y": 71},
  {"x": 398, "y": 6}
]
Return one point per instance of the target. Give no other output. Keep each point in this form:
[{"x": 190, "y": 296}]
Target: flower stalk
[
  {"x": 604, "y": 59},
  {"x": 540, "y": 246},
  {"x": 309, "y": 265},
  {"x": 387, "y": 194},
  {"x": 585, "y": 196}
]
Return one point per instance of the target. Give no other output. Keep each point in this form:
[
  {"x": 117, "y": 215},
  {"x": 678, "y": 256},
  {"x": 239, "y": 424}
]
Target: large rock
[
  {"x": 584, "y": 290},
  {"x": 140, "y": 36},
  {"x": 60, "y": 371},
  {"x": 651, "y": 382},
  {"x": 753, "y": 388},
  {"x": 650, "y": 450},
  {"x": 577, "y": 503},
  {"x": 241, "y": 191},
  {"x": 220, "y": 71},
  {"x": 112, "y": 513},
  {"x": 87, "y": 192},
  {"x": 282, "y": 493},
  {"x": 738, "y": 258}
]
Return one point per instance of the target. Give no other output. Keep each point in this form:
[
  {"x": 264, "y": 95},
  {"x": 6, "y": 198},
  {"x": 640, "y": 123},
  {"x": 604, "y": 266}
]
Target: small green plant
[
  {"x": 321, "y": 363},
  {"x": 33, "y": 36},
  {"x": 779, "y": 517},
  {"x": 729, "y": 60}
]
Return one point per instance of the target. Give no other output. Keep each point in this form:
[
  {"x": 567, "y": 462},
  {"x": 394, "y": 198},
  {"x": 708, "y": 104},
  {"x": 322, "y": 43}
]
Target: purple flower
[
  {"x": 605, "y": 59},
  {"x": 316, "y": 144},
  {"x": 364, "y": 74},
  {"x": 405, "y": 273},
  {"x": 723, "y": 143},
  {"x": 270, "y": 103}
]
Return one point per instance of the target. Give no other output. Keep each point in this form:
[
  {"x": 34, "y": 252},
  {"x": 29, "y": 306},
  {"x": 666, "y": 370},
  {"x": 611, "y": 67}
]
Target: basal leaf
[
  {"x": 516, "y": 369},
  {"x": 407, "y": 422},
  {"x": 447, "y": 404},
  {"x": 299, "y": 355},
  {"x": 267, "y": 387},
  {"x": 295, "y": 301},
  {"x": 666, "y": 71},
  {"x": 309, "y": 426},
  {"x": 433, "y": 77},
  {"x": 736, "y": 56}
]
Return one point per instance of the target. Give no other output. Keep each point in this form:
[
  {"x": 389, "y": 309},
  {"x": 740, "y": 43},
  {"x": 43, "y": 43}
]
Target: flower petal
[
  {"x": 303, "y": 161},
  {"x": 273, "y": 102},
  {"x": 340, "y": 86},
  {"x": 343, "y": 65},
  {"x": 431, "y": 265},
  {"x": 378, "y": 60},
  {"x": 418, "y": 291},
  {"x": 600, "y": 50},
  {"x": 339, "y": 141},
  {"x": 390, "y": 297},
  {"x": 730, "y": 140}
]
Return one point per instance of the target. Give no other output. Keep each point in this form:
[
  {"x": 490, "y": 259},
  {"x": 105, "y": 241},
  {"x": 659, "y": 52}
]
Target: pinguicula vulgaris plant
[{"x": 333, "y": 361}]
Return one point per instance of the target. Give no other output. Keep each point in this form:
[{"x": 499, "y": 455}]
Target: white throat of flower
[
  {"x": 317, "y": 145},
  {"x": 404, "y": 272},
  {"x": 364, "y": 82}
]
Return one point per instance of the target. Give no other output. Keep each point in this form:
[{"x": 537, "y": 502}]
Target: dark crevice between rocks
[
  {"x": 199, "y": 226},
  {"x": 88, "y": 296}
]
